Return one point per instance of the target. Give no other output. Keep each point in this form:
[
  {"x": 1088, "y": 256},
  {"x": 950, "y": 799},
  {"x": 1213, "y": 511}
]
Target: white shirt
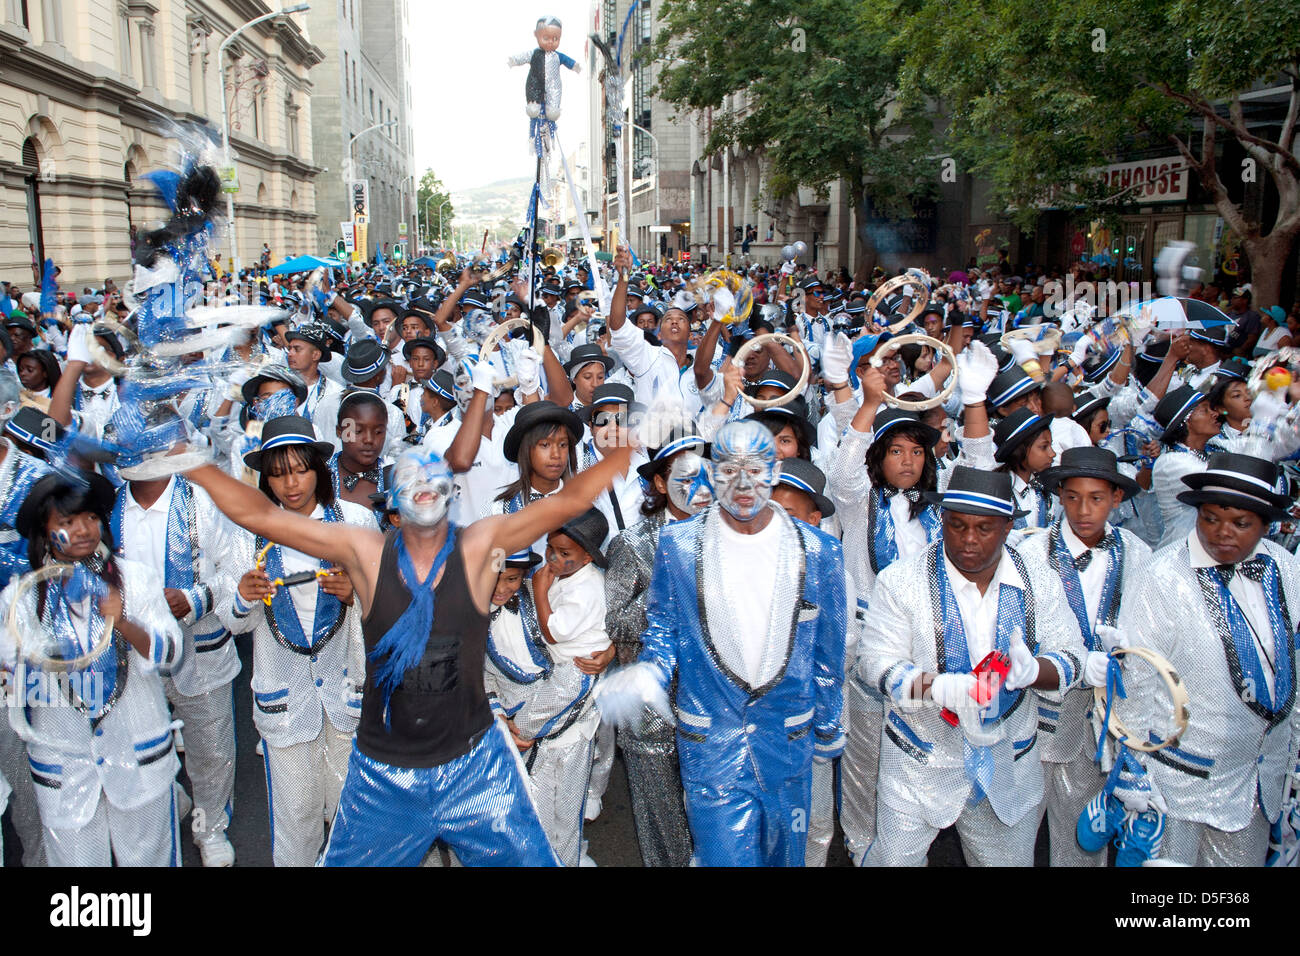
[
  {"x": 577, "y": 622},
  {"x": 751, "y": 558},
  {"x": 979, "y": 612},
  {"x": 144, "y": 530},
  {"x": 1249, "y": 596},
  {"x": 627, "y": 492},
  {"x": 909, "y": 533},
  {"x": 1067, "y": 433},
  {"x": 1093, "y": 576}
]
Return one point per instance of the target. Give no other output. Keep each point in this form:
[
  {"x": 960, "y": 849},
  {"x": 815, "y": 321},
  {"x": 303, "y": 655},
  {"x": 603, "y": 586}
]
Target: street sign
[
  {"x": 401, "y": 230},
  {"x": 661, "y": 228},
  {"x": 360, "y": 197},
  {"x": 230, "y": 179},
  {"x": 349, "y": 237}
]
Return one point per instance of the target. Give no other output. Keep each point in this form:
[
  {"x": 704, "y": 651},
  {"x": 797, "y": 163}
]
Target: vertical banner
[
  {"x": 349, "y": 238},
  {"x": 360, "y": 191}
]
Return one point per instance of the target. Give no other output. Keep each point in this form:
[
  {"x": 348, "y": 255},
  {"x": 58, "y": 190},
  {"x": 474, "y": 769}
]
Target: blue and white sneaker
[
  {"x": 1099, "y": 821},
  {"x": 1139, "y": 838}
]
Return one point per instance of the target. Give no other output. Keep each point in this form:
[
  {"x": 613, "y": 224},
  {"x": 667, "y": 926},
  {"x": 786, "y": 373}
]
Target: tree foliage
[{"x": 430, "y": 196}]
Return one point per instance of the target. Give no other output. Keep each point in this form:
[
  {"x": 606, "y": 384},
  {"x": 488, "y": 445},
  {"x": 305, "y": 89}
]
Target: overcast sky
[{"x": 459, "y": 75}]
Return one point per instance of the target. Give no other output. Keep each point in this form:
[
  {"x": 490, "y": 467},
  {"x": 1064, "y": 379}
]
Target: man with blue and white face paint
[
  {"x": 759, "y": 683},
  {"x": 429, "y": 761}
]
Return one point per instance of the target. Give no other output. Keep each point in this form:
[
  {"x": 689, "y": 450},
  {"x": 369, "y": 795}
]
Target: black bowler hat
[
  {"x": 892, "y": 418},
  {"x": 286, "y": 430},
  {"x": 312, "y": 335},
  {"x": 1172, "y": 410},
  {"x": 539, "y": 413},
  {"x": 584, "y": 355},
  {"x": 973, "y": 491},
  {"x": 589, "y": 529},
  {"x": 1238, "y": 481},
  {"x": 1015, "y": 430},
  {"x": 611, "y": 393},
  {"x": 1010, "y": 385},
  {"x": 364, "y": 360},
  {"x": 1088, "y": 461},
  {"x": 424, "y": 342},
  {"x": 274, "y": 373},
  {"x": 806, "y": 477},
  {"x": 679, "y": 439},
  {"x": 100, "y": 497}
]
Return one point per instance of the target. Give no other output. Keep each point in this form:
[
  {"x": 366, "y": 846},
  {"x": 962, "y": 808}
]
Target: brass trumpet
[{"x": 554, "y": 258}]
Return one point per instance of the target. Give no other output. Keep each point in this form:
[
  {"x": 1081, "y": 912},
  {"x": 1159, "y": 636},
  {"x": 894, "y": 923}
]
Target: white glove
[
  {"x": 1138, "y": 792},
  {"x": 577, "y": 68},
  {"x": 837, "y": 355},
  {"x": 1095, "y": 667},
  {"x": 1079, "y": 353},
  {"x": 484, "y": 378},
  {"x": 79, "y": 344},
  {"x": 235, "y": 392},
  {"x": 622, "y": 695},
  {"x": 954, "y": 691},
  {"x": 787, "y": 268},
  {"x": 1044, "y": 348},
  {"x": 976, "y": 370},
  {"x": 1112, "y": 637},
  {"x": 984, "y": 289},
  {"x": 1024, "y": 665},
  {"x": 528, "y": 364},
  {"x": 1023, "y": 350}
]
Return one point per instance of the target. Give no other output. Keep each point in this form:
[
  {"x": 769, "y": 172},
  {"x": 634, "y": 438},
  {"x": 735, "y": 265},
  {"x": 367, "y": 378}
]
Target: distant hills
[{"x": 504, "y": 201}]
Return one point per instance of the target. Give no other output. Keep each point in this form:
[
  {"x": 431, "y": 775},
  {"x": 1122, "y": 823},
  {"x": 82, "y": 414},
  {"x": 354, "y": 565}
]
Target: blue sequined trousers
[{"x": 478, "y": 804}]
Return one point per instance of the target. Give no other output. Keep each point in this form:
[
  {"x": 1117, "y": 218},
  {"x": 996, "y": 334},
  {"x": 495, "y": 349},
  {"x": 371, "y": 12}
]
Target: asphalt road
[{"x": 611, "y": 838}]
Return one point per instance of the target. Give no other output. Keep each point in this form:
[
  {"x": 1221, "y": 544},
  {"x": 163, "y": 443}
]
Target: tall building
[
  {"x": 87, "y": 88},
  {"x": 368, "y": 53},
  {"x": 657, "y": 147}
]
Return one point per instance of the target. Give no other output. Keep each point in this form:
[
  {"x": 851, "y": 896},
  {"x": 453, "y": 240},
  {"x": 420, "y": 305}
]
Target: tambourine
[
  {"x": 1051, "y": 337},
  {"x": 1177, "y": 694},
  {"x": 498, "y": 333},
  {"x": 289, "y": 580},
  {"x": 919, "y": 302},
  {"x": 15, "y": 625},
  {"x": 1286, "y": 359},
  {"x": 939, "y": 346},
  {"x": 805, "y": 368}
]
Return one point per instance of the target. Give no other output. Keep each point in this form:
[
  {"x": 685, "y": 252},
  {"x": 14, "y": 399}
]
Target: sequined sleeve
[
  {"x": 848, "y": 482},
  {"x": 885, "y": 648},
  {"x": 659, "y": 642},
  {"x": 626, "y": 584}
]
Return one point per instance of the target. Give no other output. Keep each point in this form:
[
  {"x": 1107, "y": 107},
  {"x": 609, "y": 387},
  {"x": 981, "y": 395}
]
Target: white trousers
[
  {"x": 209, "y": 758},
  {"x": 561, "y": 776},
  {"x": 821, "y": 813},
  {"x": 859, "y": 770},
  {"x": 303, "y": 783},
  {"x": 149, "y": 835},
  {"x": 1067, "y": 788},
  {"x": 602, "y": 763},
  {"x": 23, "y": 813},
  {"x": 904, "y": 840},
  {"x": 1199, "y": 844}
]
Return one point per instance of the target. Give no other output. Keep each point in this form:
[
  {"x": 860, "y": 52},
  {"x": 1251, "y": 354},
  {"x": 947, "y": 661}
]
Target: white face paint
[
  {"x": 687, "y": 489},
  {"x": 743, "y": 484},
  {"x": 422, "y": 486}
]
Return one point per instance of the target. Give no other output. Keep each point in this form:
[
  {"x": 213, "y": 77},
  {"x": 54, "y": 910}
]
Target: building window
[
  {"x": 347, "y": 88},
  {"x": 291, "y": 123},
  {"x": 372, "y": 103},
  {"x": 22, "y": 12},
  {"x": 355, "y": 89}
]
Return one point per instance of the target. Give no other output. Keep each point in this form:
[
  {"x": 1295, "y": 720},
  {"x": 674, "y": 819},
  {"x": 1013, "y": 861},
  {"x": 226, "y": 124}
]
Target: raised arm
[{"x": 704, "y": 355}]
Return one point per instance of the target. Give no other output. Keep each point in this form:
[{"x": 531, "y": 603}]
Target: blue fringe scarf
[{"x": 403, "y": 646}]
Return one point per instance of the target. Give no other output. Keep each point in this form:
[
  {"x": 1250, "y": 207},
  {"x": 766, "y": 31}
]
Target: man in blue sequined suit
[{"x": 746, "y": 608}]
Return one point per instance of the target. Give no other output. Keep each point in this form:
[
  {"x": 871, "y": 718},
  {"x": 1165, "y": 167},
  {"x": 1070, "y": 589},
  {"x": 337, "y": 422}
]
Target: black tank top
[{"x": 440, "y": 709}]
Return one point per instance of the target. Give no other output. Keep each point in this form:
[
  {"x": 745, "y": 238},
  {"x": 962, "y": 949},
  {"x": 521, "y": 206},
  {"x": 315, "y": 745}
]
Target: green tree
[
  {"x": 429, "y": 199},
  {"x": 819, "y": 98},
  {"x": 1042, "y": 92}
]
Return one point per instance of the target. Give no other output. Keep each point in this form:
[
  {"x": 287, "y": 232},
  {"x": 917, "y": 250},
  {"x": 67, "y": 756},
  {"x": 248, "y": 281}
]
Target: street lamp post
[
  {"x": 655, "y": 142},
  {"x": 445, "y": 203},
  {"x": 225, "y": 113}
]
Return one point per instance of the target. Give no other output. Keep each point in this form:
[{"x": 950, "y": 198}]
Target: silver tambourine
[
  {"x": 939, "y": 346},
  {"x": 1051, "y": 337},
  {"x": 1182, "y": 713},
  {"x": 805, "y": 368},
  {"x": 498, "y": 333},
  {"x": 919, "y": 302},
  {"x": 1288, "y": 358},
  {"x": 16, "y": 619}
]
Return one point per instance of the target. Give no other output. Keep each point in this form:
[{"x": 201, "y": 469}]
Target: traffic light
[{"x": 340, "y": 250}]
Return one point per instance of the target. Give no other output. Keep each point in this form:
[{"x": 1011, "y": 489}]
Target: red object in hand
[{"x": 989, "y": 675}]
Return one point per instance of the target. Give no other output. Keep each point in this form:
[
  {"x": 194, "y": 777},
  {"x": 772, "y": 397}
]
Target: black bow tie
[
  {"x": 911, "y": 494},
  {"x": 1253, "y": 569},
  {"x": 351, "y": 479}
]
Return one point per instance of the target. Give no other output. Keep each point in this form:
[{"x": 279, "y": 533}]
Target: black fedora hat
[
  {"x": 974, "y": 491},
  {"x": 892, "y": 418},
  {"x": 312, "y": 335},
  {"x": 35, "y": 430},
  {"x": 1015, "y": 430},
  {"x": 100, "y": 497},
  {"x": 1172, "y": 410},
  {"x": 679, "y": 439},
  {"x": 1238, "y": 481},
  {"x": 1086, "y": 403},
  {"x": 443, "y": 384},
  {"x": 526, "y": 560},
  {"x": 589, "y": 529},
  {"x": 1096, "y": 370},
  {"x": 585, "y": 354},
  {"x": 274, "y": 373},
  {"x": 1088, "y": 461},
  {"x": 424, "y": 342},
  {"x": 286, "y": 430},
  {"x": 806, "y": 477},
  {"x": 363, "y": 361},
  {"x": 1010, "y": 385},
  {"x": 539, "y": 413},
  {"x": 611, "y": 393}
]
